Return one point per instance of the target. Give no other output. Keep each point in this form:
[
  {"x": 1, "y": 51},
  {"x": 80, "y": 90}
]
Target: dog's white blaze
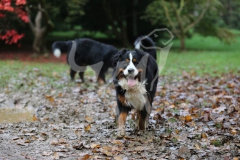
[
  {"x": 130, "y": 66},
  {"x": 57, "y": 53},
  {"x": 138, "y": 45}
]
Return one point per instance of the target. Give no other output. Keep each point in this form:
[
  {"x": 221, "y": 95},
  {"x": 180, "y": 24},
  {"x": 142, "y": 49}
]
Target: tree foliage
[
  {"x": 183, "y": 15},
  {"x": 11, "y": 13}
]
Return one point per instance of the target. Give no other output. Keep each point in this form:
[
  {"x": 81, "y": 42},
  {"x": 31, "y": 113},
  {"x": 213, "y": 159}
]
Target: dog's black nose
[{"x": 130, "y": 70}]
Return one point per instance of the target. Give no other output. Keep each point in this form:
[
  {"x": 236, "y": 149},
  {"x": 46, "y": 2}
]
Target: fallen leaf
[
  {"x": 118, "y": 142},
  {"x": 85, "y": 157},
  {"x": 107, "y": 148},
  {"x": 105, "y": 152},
  {"x": 88, "y": 127},
  {"x": 95, "y": 145},
  {"x": 118, "y": 158},
  {"x": 197, "y": 146},
  {"x": 139, "y": 148},
  {"x": 88, "y": 119},
  {"x": 62, "y": 141},
  {"x": 188, "y": 118},
  {"x": 233, "y": 131},
  {"x": 34, "y": 118},
  {"x": 203, "y": 135},
  {"x": 50, "y": 98},
  {"x": 56, "y": 155}
]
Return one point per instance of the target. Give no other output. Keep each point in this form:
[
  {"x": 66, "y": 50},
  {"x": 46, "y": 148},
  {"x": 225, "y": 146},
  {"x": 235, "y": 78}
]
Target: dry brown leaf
[
  {"x": 56, "y": 155},
  {"x": 188, "y": 118},
  {"x": 176, "y": 131},
  {"x": 231, "y": 85},
  {"x": 27, "y": 141},
  {"x": 95, "y": 145},
  {"x": 34, "y": 118},
  {"x": 60, "y": 95},
  {"x": 54, "y": 143},
  {"x": 139, "y": 148},
  {"x": 85, "y": 157},
  {"x": 233, "y": 131},
  {"x": 62, "y": 141},
  {"x": 88, "y": 119},
  {"x": 88, "y": 127},
  {"x": 107, "y": 148},
  {"x": 118, "y": 158},
  {"x": 197, "y": 146},
  {"x": 50, "y": 98},
  {"x": 105, "y": 152},
  {"x": 55, "y": 75},
  {"x": 118, "y": 142},
  {"x": 203, "y": 135}
]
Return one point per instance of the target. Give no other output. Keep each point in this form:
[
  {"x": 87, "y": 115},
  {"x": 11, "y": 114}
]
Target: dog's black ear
[{"x": 117, "y": 56}]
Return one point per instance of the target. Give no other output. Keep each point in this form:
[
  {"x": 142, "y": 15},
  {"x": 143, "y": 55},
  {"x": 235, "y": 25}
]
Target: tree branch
[
  {"x": 181, "y": 6},
  {"x": 169, "y": 18},
  {"x": 30, "y": 21},
  {"x": 179, "y": 20},
  {"x": 198, "y": 19}
]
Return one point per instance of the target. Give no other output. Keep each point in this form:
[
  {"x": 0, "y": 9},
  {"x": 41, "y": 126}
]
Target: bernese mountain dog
[
  {"x": 88, "y": 52},
  {"x": 135, "y": 77}
]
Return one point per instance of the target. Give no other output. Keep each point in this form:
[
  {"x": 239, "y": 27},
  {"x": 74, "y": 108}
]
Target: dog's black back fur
[{"x": 89, "y": 52}]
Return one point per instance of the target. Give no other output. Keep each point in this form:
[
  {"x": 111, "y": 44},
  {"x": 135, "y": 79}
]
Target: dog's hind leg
[
  {"x": 72, "y": 74},
  {"x": 81, "y": 73},
  {"x": 101, "y": 76}
]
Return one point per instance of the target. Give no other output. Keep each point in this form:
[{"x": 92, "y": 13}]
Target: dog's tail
[
  {"x": 60, "y": 46},
  {"x": 146, "y": 44}
]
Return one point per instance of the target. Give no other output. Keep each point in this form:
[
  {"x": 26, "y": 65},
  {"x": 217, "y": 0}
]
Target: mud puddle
[{"x": 15, "y": 115}]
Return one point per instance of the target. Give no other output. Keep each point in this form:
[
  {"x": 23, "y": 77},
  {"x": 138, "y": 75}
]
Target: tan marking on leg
[
  {"x": 121, "y": 123},
  {"x": 122, "y": 100}
]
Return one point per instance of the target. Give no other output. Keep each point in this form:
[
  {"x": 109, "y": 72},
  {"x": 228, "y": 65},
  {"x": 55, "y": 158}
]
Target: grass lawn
[
  {"x": 204, "y": 55},
  {"x": 202, "y": 62}
]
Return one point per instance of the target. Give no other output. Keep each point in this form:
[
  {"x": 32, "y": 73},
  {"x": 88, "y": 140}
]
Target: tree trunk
[
  {"x": 182, "y": 40},
  {"x": 39, "y": 30}
]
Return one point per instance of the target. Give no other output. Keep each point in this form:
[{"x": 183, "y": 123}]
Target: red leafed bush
[{"x": 10, "y": 35}]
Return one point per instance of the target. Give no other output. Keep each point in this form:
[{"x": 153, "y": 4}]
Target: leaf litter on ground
[{"x": 192, "y": 118}]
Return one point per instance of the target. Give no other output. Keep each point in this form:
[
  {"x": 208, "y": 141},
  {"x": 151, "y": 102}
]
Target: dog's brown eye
[
  {"x": 134, "y": 60},
  {"x": 127, "y": 60}
]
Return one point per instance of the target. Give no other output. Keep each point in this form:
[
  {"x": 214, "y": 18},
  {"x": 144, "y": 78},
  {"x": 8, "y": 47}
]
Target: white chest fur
[{"x": 134, "y": 95}]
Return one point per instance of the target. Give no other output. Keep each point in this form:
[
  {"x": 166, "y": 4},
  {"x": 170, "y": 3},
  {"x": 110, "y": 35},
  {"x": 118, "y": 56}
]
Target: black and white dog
[
  {"x": 88, "y": 52},
  {"x": 135, "y": 79}
]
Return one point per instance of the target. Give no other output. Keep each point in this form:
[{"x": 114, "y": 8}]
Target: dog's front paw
[{"x": 121, "y": 133}]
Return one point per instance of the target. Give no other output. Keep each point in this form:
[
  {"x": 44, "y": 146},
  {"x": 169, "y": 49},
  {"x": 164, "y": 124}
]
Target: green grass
[
  {"x": 202, "y": 62},
  {"x": 204, "y": 55},
  {"x": 14, "y": 73},
  {"x": 200, "y": 43}
]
